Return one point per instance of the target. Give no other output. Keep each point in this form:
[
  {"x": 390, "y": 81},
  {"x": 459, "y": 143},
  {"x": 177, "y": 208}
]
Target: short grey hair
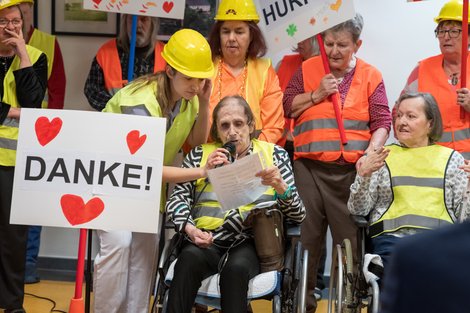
[
  {"x": 353, "y": 26},
  {"x": 123, "y": 37},
  {"x": 431, "y": 110}
]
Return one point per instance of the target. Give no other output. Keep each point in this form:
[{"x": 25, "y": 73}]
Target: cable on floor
[{"x": 47, "y": 299}]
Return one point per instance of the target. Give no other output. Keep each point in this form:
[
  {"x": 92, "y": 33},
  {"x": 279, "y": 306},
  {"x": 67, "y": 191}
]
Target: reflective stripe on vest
[
  {"x": 431, "y": 78},
  {"x": 9, "y": 130},
  {"x": 316, "y": 128},
  {"x": 418, "y": 189},
  {"x": 46, "y": 43},
  {"x": 108, "y": 59},
  {"x": 207, "y": 213},
  {"x": 257, "y": 72}
]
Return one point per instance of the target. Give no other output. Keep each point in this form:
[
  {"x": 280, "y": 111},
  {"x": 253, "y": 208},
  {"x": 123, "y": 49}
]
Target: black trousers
[
  {"x": 12, "y": 247},
  {"x": 195, "y": 264}
]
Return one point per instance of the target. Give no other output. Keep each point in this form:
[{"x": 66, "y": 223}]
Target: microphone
[{"x": 230, "y": 147}]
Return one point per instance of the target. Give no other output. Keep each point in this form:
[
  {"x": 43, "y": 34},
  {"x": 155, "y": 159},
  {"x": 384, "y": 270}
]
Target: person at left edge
[
  {"x": 54, "y": 99},
  {"x": 124, "y": 265},
  {"x": 23, "y": 70},
  {"x": 108, "y": 72}
]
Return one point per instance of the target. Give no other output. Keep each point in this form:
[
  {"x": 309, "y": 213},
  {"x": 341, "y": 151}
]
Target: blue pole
[{"x": 130, "y": 69}]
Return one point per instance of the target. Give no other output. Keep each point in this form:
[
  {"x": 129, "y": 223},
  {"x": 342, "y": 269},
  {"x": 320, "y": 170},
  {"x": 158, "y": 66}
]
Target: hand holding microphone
[{"x": 220, "y": 156}]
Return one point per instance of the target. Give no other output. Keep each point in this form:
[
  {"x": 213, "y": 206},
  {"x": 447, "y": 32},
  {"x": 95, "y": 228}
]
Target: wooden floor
[{"x": 63, "y": 292}]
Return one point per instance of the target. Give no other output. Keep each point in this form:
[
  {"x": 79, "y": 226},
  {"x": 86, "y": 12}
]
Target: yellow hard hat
[
  {"x": 237, "y": 10},
  {"x": 451, "y": 11},
  {"x": 189, "y": 53},
  {"x": 8, "y": 3}
]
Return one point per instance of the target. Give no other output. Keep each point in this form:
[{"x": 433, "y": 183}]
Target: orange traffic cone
[{"x": 77, "y": 306}]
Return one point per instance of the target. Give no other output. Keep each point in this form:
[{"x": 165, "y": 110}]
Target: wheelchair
[
  {"x": 287, "y": 288},
  {"x": 352, "y": 289}
]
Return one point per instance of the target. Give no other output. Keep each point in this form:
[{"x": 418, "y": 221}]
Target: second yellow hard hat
[
  {"x": 451, "y": 11},
  {"x": 189, "y": 53},
  {"x": 237, "y": 10}
]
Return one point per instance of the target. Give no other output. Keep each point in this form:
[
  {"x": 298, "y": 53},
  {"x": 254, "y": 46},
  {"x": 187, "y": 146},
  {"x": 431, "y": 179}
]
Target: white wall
[{"x": 396, "y": 35}]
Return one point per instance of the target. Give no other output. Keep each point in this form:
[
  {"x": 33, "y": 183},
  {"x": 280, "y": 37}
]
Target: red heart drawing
[
  {"x": 135, "y": 140},
  {"x": 77, "y": 212},
  {"x": 46, "y": 131},
  {"x": 167, "y": 6}
]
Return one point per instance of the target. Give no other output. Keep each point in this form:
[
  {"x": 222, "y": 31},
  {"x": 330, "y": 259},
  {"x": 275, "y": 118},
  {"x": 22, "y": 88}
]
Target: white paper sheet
[{"x": 236, "y": 184}]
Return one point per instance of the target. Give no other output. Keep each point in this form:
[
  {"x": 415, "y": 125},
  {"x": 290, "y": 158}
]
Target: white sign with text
[
  {"x": 286, "y": 22},
  {"x": 88, "y": 170},
  {"x": 161, "y": 8}
]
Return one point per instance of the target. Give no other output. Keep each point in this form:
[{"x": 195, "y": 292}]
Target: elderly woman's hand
[
  {"x": 466, "y": 167},
  {"x": 271, "y": 176},
  {"x": 217, "y": 158},
  {"x": 202, "y": 239},
  {"x": 328, "y": 86},
  {"x": 463, "y": 98},
  {"x": 374, "y": 160}
]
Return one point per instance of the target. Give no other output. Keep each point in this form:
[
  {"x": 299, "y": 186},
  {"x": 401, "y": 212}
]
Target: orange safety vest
[
  {"x": 108, "y": 58},
  {"x": 289, "y": 65},
  {"x": 432, "y": 78},
  {"x": 316, "y": 134}
]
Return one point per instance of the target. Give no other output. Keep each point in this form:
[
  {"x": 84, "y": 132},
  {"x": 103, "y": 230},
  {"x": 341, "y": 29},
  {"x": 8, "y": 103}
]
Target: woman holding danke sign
[{"x": 125, "y": 262}]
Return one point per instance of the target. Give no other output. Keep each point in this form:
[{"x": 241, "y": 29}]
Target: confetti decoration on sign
[
  {"x": 335, "y": 6},
  {"x": 291, "y": 30},
  {"x": 312, "y": 21}
]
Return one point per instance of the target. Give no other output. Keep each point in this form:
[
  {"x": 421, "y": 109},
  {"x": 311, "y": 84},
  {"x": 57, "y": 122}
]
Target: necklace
[
  {"x": 241, "y": 91},
  {"x": 454, "y": 79},
  {"x": 5, "y": 63}
]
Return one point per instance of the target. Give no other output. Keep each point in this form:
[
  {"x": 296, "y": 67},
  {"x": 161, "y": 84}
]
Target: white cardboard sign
[
  {"x": 286, "y": 22},
  {"x": 88, "y": 170},
  {"x": 161, "y": 8}
]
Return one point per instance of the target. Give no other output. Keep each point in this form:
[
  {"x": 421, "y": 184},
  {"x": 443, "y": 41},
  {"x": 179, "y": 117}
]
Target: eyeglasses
[
  {"x": 453, "y": 33},
  {"x": 15, "y": 22}
]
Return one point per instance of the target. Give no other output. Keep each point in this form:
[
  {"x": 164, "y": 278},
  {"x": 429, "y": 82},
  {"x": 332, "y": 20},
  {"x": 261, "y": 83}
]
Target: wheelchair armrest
[
  {"x": 292, "y": 230},
  {"x": 360, "y": 221}
]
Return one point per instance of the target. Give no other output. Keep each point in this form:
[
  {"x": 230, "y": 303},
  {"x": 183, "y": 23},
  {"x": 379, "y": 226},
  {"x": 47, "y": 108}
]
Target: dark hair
[
  {"x": 431, "y": 110},
  {"x": 256, "y": 49},
  {"x": 250, "y": 118},
  {"x": 449, "y": 23}
]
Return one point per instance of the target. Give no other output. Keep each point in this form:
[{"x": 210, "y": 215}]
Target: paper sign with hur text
[
  {"x": 286, "y": 22},
  {"x": 161, "y": 8},
  {"x": 88, "y": 170}
]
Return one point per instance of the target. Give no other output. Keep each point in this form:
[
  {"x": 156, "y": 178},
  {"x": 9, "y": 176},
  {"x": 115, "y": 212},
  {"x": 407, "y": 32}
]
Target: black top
[{"x": 31, "y": 84}]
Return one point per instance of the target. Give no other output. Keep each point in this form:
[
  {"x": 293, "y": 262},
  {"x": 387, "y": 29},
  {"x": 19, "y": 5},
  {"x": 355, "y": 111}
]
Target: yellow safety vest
[
  {"x": 9, "y": 129},
  {"x": 207, "y": 213},
  {"x": 46, "y": 43},
  {"x": 257, "y": 72},
  {"x": 129, "y": 98},
  {"x": 418, "y": 180}
]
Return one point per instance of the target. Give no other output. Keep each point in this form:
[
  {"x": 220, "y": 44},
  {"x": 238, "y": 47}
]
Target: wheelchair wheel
[{"x": 341, "y": 290}]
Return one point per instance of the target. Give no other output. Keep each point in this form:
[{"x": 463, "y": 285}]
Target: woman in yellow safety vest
[
  {"x": 411, "y": 186},
  {"x": 237, "y": 48},
  {"x": 23, "y": 70},
  {"x": 125, "y": 262},
  {"x": 214, "y": 233}
]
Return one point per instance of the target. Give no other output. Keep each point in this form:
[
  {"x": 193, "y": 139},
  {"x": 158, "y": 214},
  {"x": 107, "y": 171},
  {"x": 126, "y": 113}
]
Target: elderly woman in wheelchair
[
  {"x": 411, "y": 186},
  {"x": 218, "y": 241},
  {"x": 405, "y": 188}
]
